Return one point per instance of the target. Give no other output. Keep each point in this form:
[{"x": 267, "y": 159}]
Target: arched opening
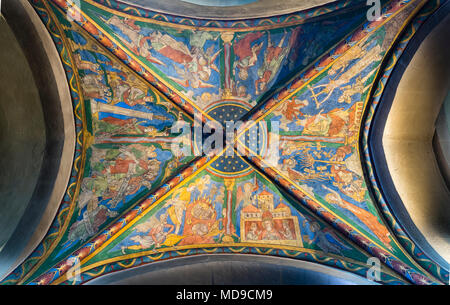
[
  {"x": 401, "y": 141},
  {"x": 37, "y": 132}
]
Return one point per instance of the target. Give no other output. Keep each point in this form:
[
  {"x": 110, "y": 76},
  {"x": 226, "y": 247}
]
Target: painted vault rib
[
  {"x": 127, "y": 141},
  {"x": 130, "y": 154},
  {"x": 66, "y": 207},
  {"x": 288, "y": 19},
  {"x": 202, "y": 66},
  {"x": 210, "y": 64},
  {"x": 318, "y": 121}
]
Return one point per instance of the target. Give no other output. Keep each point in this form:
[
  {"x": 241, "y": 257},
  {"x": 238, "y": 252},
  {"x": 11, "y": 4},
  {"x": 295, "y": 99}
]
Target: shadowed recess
[{"x": 22, "y": 133}]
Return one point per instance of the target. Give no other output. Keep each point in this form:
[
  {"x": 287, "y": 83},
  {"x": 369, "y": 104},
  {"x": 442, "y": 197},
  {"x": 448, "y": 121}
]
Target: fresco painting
[
  {"x": 121, "y": 103},
  {"x": 308, "y": 77},
  {"x": 319, "y": 130},
  {"x": 129, "y": 151},
  {"x": 213, "y": 211}
]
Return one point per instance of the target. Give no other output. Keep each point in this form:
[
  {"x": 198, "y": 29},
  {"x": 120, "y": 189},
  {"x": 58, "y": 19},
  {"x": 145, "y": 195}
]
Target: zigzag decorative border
[
  {"x": 132, "y": 62},
  {"x": 313, "y": 256},
  {"x": 392, "y": 8},
  {"x": 374, "y": 101},
  {"x": 62, "y": 267},
  {"x": 43, "y": 248},
  {"x": 297, "y": 84},
  {"x": 247, "y": 24},
  {"x": 66, "y": 206}
]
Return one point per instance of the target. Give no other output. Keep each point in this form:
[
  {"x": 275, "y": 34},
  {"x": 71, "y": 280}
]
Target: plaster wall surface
[{"x": 221, "y": 9}]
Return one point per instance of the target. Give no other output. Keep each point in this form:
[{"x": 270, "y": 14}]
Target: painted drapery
[{"x": 305, "y": 80}]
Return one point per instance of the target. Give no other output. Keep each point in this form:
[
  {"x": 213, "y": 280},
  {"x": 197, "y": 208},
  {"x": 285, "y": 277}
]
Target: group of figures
[
  {"x": 319, "y": 130},
  {"x": 327, "y": 114},
  {"x": 212, "y": 210},
  {"x": 136, "y": 201},
  {"x": 319, "y": 133},
  {"x": 121, "y": 106}
]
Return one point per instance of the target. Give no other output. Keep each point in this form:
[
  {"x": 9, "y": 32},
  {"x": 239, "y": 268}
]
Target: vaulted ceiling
[{"x": 296, "y": 181}]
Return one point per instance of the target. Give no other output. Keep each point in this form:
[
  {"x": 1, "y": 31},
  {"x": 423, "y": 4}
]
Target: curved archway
[
  {"x": 235, "y": 9},
  {"x": 45, "y": 163},
  {"x": 401, "y": 139},
  {"x": 232, "y": 269}
]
